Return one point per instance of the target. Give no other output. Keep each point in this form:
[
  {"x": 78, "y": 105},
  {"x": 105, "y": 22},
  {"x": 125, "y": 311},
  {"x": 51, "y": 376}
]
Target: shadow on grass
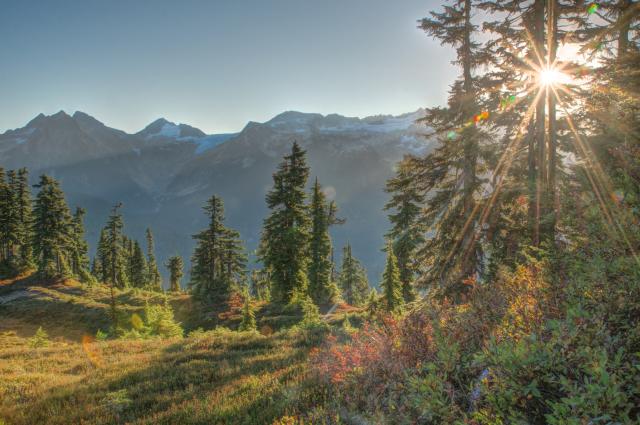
[
  {"x": 59, "y": 317},
  {"x": 248, "y": 380}
]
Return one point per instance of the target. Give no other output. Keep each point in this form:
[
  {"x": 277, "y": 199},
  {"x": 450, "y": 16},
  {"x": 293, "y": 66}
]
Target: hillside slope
[{"x": 210, "y": 376}]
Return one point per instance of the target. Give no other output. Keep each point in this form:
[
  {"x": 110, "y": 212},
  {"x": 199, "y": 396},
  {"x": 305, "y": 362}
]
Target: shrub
[
  {"x": 158, "y": 321},
  {"x": 248, "y": 316},
  {"x": 101, "y": 336},
  {"x": 39, "y": 339}
]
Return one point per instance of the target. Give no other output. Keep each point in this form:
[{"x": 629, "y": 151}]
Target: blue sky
[{"x": 216, "y": 64}]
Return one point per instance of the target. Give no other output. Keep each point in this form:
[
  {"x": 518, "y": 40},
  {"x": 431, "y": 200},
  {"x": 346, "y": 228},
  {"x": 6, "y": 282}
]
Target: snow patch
[{"x": 169, "y": 130}]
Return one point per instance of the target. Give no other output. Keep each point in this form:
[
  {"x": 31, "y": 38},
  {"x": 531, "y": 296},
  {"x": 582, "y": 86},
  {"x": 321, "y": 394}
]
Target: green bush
[
  {"x": 158, "y": 322},
  {"x": 40, "y": 339}
]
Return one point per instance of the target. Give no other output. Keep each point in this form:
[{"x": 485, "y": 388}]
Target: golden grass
[{"x": 213, "y": 377}]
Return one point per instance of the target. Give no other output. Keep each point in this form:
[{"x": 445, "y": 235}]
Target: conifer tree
[
  {"x": 406, "y": 234},
  {"x": 391, "y": 284},
  {"x": 285, "y": 235},
  {"x": 80, "y": 255},
  {"x": 175, "y": 266},
  {"x": 101, "y": 260},
  {"x": 248, "y": 315},
  {"x": 260, "y": 285},
  {"x": 333, "y": 220},
  {"x": 115, "y": 263},
  {"x": 352, "y": 279},
  {"x": 523, "y": 48},
  {"x": 319, "y": 273},
  {"x": 24, "y": 206},
  {"x": 612, "y": 105},
  {"x": 138, "y": 267},
  {"x": 234, "y": 259},
  {"x": 6, "y": 215},
  {"x": 218, "y": 261},
  {"x": 12, "y": 221},
  {"x": 53, "y": 238},
  {"x": 153, "y": 275},
  {"x": 451, "y": 172}
]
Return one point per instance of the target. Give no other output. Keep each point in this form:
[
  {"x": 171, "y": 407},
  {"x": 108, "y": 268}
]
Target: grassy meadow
[{"x": 215, "y": 376}]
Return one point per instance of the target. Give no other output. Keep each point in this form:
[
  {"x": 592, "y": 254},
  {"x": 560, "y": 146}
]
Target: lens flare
[
  {"x": 92, "y": 351},
  {"x": 550, "y": 77}
]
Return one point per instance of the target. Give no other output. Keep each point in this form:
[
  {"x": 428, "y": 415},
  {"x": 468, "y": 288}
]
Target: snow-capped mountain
[
  {"x": 165, "y": 131},
  {"x": 164, "y": 173}
]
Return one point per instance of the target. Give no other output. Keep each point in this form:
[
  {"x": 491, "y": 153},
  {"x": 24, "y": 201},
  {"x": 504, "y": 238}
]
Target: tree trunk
[
  {"x": 552, "y": 200},
  {"x": 624, "y": 21},
  {"x": 470, "y": 145},
  {"x": 539, "y": 135}
]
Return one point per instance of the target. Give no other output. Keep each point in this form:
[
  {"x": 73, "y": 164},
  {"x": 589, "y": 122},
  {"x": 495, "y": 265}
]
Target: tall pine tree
[
  {"x": 407, "y": 233},
  {"x": 80, "y": 255},
  {"x": 352, "y": 279},
  {"x": 285, "y": 235},
  {"x": 153, "y": 275},
  {"x": 218, "y": 260},
  {"x": 175, "y": 266},
  {"x": 391, "y": 284},
  {"x": 115, "y": 261},
  {"x": 321, "y": 288},
  {"x": 138, "y": 268},
  {"x": 53, "y": 230},
  {"x": 24, "y": 206},
  {"x": 451, "y": 172}
]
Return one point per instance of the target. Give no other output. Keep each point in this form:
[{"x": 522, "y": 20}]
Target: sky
[{"x": 216, "y": 64}]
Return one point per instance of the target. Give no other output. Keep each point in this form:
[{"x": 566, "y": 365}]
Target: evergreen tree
[
  {"x": 611, "y": 158},
  {"x": 234, "y": 259},
  {"x": 153, "y": 275},
  {"x": 352, "y": 280},
  {"x": 319, "y": 273},
  {"x": 175, "y": 266},
  {"x": 12, "y": 222},
  {"x": 80, "y": 256},
  {"x": 101, "y": 260},
  {"x": 523, "y": 48},
  {"x": 248, "y": 316},
  {"x": 333, "y": 220},
  {"x": 218, "y": 261},
  {"x": 372, "y": 305},
  {"x": 7, "y": 214},
  {"x": 391, "y": 284},
  {"x": 115, "y": 264},
  {"x": 450, "y": 173},
  {"x": 23, "y": 202},
  {"x": 260, "y": 285},
  {"x": 53, "y": 237},
  {"x": 138, "y": 267},
  {"x": 285, "y": 236},
  {"x": 406, "y": 234}
]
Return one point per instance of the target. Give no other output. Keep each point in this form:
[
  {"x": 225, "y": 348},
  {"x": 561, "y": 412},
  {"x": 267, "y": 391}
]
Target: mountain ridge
[{"x": 165, "y": 174}]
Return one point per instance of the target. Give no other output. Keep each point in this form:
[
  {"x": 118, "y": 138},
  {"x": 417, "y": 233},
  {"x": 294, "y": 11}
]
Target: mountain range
[{"x": 164, "y": 173}]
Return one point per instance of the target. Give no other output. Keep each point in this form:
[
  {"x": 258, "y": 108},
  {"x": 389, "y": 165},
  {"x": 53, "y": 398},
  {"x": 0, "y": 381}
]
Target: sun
[{"x": 551, "y": 77}]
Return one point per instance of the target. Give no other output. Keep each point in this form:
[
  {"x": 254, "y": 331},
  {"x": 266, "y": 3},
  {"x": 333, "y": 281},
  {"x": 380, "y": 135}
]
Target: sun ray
[
  {"x": 498, "y": 175},
  {"x": 599, "y": 178}
]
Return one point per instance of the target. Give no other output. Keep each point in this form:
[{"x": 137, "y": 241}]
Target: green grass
[{"x": 210, "y": 377}]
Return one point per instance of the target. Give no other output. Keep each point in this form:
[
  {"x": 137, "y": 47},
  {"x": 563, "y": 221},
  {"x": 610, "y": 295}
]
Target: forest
[{"x": 510, "y": 293}]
